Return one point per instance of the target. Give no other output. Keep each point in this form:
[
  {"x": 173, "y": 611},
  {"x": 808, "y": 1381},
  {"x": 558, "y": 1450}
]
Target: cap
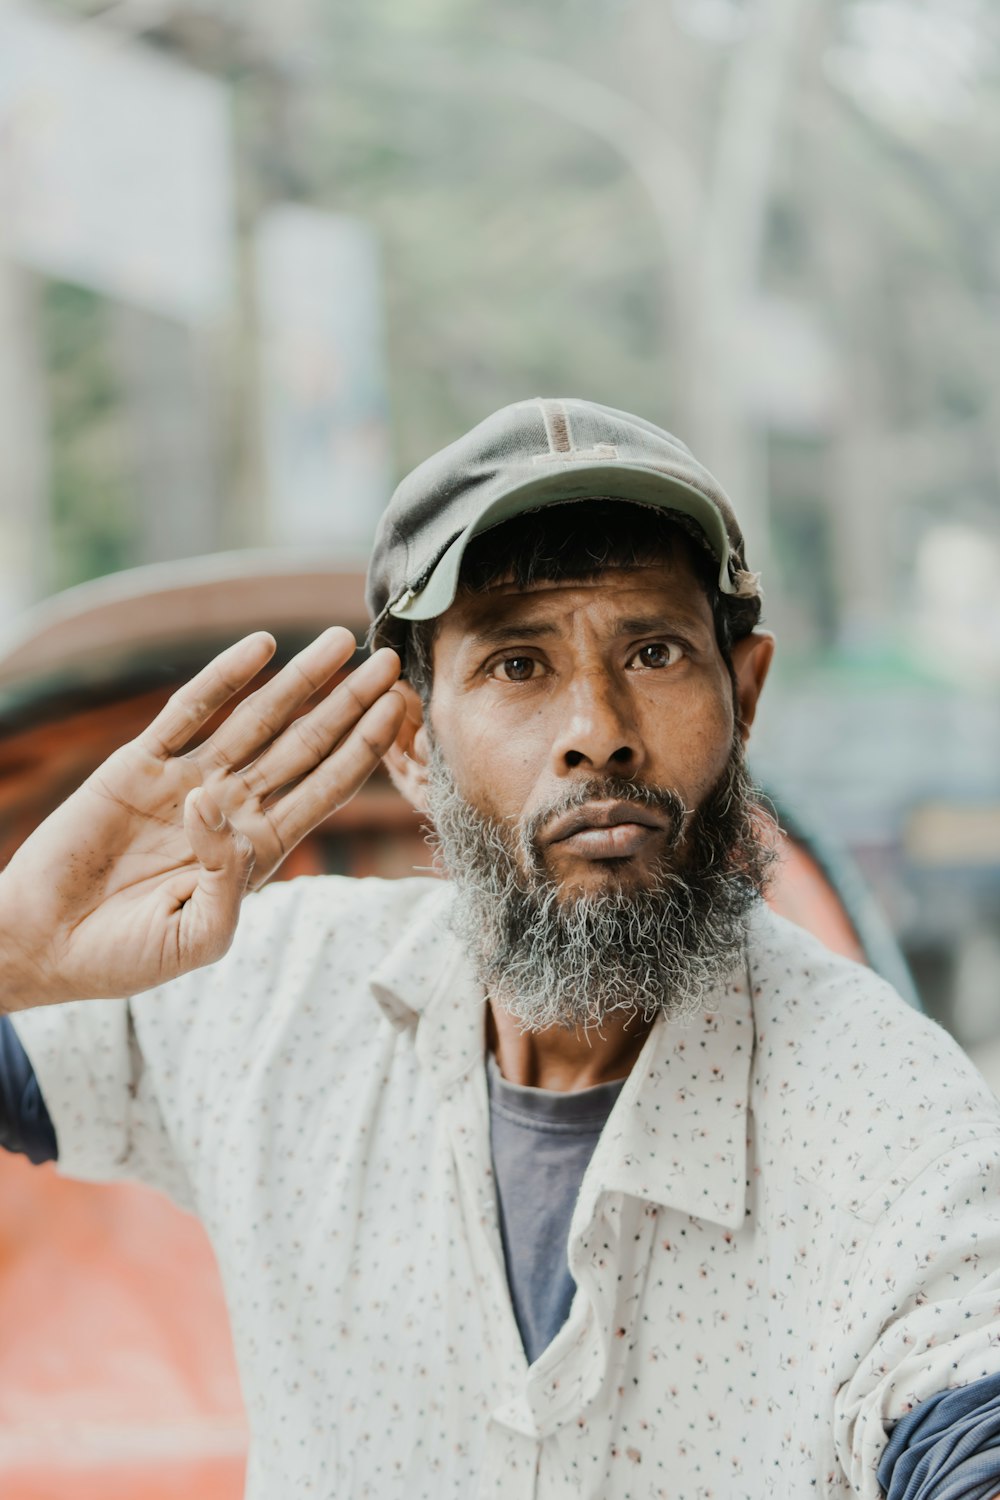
[{"x": 524, "y": 457}]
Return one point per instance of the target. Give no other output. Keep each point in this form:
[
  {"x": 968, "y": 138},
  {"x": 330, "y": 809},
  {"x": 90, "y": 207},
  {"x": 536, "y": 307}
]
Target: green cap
[{"x": 522, "y": 458}]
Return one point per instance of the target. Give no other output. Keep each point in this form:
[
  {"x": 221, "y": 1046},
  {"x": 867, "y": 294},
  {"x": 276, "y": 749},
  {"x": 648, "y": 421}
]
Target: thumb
[{"x": 226, "y": 857}]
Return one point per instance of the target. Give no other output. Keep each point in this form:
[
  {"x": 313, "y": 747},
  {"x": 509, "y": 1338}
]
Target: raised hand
[{"x": 139, "y": 875}]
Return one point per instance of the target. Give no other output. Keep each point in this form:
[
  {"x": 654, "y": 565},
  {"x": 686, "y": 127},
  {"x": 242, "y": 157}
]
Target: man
[{"x": 580, "y": 1174}]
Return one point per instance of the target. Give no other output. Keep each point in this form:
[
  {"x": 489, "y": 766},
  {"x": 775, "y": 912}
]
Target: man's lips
[{"x": 605, "y": 830}]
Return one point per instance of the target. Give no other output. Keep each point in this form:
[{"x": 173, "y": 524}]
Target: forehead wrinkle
[
  {"x": 633, "y": 624},
  {"x": 648, "y": 624},
  {"x": 524, "y": 630},
  {"x": 494, "y": 616}
]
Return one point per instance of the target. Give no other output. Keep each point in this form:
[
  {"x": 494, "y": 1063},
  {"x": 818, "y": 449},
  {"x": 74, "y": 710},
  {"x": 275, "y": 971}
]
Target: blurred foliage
[
  {"x": 507, "y": 154},
  {"x": 93, "y": 522}
]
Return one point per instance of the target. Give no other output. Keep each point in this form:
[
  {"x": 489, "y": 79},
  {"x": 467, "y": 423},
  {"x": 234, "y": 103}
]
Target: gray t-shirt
[{"x": 541, "y": 1143}]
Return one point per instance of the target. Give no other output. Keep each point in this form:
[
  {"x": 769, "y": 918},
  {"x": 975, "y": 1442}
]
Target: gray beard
[{"x": 550, "y": 959}]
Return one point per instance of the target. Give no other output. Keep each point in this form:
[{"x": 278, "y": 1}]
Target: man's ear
[
  {"x": 406, "y": 758},
  {"x": 751, "y": 657}
]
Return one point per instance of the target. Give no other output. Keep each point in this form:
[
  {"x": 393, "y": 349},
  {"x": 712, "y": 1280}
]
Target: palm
[{"x": 128, "y": 885}]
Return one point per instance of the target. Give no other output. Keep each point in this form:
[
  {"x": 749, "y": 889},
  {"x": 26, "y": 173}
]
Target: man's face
[
  {"x": 539, "y": 693},
  {"x": 589, "y": 796}
]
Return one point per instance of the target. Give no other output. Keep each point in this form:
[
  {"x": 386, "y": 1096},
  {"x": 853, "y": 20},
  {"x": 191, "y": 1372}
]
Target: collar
[
  {"x": 677, "y": 1135},
  {"x": 425, "y": 983}
]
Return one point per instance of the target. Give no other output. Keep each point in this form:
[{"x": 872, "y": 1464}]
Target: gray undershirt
[{"x": 541, "y": 1143}]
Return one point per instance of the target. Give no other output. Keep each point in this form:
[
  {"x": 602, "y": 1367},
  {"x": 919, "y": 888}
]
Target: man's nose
[{"x": 600, "y": 732}]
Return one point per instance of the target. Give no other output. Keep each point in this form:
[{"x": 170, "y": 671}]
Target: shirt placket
[
  {"x": 451, "y": 1046},
  {"x": 510, "y": 1460},
  {"x": 533, "y": 1405}
]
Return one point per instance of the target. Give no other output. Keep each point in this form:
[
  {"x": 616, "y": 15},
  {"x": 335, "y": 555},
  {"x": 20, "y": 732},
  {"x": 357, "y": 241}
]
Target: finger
[
  {"x": 209, "y": 917},
  {"x": 192, "y": 705},
  {"x": 311, "y": 738},
  {"x": 255, "y": 722},
  {"x": 336, "y": 779}
]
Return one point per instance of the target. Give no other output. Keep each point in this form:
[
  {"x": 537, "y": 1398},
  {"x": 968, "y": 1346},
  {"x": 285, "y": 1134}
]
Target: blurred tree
[
  {"x": 644, "y": 202},
  {"x": 93, "y": 524}
]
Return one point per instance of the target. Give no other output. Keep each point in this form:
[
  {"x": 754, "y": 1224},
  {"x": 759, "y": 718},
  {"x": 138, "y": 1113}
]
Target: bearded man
[{"x": 579, "y": 1173}]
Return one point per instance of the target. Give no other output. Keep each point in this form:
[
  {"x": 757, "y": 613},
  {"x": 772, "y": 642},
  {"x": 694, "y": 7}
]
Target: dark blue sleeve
[
  {"x": 947, "y": 1448},
  {"x": 25, "y": 1125}
]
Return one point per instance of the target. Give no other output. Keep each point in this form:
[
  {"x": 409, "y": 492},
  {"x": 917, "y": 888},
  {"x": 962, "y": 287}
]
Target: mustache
[{"x": 640, "y": 795}]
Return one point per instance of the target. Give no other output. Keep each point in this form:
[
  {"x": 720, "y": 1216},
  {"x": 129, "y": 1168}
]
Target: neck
[{"x": 564, "y": 1059}]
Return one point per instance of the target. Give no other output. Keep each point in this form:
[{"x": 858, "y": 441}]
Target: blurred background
[{"x": 258, "y": 259}]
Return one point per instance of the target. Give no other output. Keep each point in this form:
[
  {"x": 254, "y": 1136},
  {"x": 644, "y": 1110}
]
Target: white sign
[
  {"x": 114, "y": 166},
  {"x": 323, "y": 379}
]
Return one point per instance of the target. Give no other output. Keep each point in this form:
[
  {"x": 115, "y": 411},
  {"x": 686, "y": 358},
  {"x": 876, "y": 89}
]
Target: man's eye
[
  {"x": 657, "y": 654},
  {"x": 515, "y": 668}
]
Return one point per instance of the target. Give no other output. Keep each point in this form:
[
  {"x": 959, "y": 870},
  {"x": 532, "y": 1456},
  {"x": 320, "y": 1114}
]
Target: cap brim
[{"x": 613, "y": 481}]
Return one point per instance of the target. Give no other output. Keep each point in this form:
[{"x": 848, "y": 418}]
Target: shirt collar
[
  {"x": 677, "y": 1135},
  {"x": 425, "y": 983}
]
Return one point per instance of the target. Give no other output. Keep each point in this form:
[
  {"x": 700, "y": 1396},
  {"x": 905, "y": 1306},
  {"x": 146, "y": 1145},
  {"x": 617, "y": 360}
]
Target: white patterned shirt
[{"x": 789, "y": 1231}]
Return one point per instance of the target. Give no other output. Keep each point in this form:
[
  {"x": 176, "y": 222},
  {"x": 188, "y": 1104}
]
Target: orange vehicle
[{"x": 117, "y": 1379}]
